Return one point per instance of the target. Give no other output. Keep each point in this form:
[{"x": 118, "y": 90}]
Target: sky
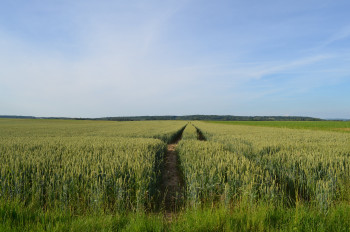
[{"x": 88, "y": 58}]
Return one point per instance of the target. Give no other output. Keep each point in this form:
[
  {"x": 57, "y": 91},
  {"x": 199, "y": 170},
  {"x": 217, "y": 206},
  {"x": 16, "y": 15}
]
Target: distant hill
[{"x": 186, "y": 117}]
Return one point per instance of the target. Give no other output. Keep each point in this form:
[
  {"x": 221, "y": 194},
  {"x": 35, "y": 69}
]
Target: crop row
[
  {"x": 212, "y": 173},
  {"x": 84, "y": 173},
  {"x": 280, "y": 165},
  {"x": 115, "y": 166}
]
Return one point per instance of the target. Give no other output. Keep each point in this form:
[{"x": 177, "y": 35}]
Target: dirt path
[{"x": 173, "y": 184}]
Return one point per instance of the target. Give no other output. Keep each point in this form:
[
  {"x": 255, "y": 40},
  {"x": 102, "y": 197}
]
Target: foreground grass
[
  {"x": 343, "y": 126},
  {"x": 261, "y": 217}
]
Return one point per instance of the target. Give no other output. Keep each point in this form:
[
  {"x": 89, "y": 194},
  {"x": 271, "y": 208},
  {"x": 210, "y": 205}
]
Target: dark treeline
[
  {"x": 16, "y": 116},
  {"x": 214, "y": 118},
  {"x": 187, "y": 117}
]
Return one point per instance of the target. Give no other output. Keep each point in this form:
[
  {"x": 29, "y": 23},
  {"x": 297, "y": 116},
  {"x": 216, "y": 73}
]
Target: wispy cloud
[
  {"x": 342, "y": 34},
  {"x": 259, "y": 71}
]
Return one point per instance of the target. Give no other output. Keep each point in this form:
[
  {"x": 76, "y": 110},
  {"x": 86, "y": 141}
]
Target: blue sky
[{"x": 121, "y": 58}]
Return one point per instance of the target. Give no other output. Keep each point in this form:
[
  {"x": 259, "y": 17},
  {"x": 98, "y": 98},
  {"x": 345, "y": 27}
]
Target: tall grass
[
  {"x": 83, "y": 174},
  {"x": 303, "y": 165},
  {"x": 15, "y": 216},
  {"x": 58, "y": 175}
]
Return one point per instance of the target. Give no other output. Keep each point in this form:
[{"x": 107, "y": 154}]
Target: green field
[
  {"x": 342, "y": 126},
  {"x": 66, "y": 175}
]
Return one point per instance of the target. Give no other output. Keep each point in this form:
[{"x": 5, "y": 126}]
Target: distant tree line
[
  {"x": 15, "y": 116},
  {"x": 187, "y": 117},
  {"x": 214, "y": 118}
]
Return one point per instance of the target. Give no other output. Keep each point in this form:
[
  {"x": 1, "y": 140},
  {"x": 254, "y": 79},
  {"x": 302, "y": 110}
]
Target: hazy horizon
[{"x": 95, "y": 59}]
